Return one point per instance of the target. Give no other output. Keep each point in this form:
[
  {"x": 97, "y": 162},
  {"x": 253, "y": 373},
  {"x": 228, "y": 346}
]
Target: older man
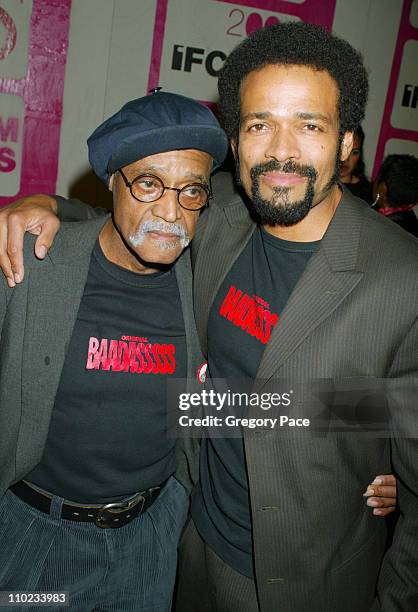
[{"x": 89, "y": 504}]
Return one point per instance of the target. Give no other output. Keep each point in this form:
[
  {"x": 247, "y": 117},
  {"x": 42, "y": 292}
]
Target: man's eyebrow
[
  {"x": 259, "y": 115},
  {"x": 153, "y": 169},
  {"x": 299, "y": 115},
  {"x": 314, "y": 116},
  {"x": 199, "y": 178}
]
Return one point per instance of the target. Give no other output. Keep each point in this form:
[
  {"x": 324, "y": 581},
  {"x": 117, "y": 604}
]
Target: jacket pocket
[{"x": 353, "y": 582}]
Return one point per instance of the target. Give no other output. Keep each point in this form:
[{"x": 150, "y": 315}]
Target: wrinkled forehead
[
  {"x": 181, "y": 164},
  {"x": 281, "y": 92}
]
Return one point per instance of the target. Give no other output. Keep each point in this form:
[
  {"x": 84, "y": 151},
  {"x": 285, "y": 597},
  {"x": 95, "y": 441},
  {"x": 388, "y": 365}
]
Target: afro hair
[{"x": 295, "y": 43}]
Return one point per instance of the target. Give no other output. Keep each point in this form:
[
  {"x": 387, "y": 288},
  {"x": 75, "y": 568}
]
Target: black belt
[{"x": 116, "y": 514}]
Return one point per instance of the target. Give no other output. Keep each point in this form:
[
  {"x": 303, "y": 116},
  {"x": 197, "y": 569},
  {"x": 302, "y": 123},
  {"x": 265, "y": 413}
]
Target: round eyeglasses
[{"x": 149, "y": 188}]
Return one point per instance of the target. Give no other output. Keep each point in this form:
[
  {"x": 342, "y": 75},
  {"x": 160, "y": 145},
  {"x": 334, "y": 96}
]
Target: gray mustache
[
  {"x": 160, "y": 226},
  {"x": 167, "y": 228}
]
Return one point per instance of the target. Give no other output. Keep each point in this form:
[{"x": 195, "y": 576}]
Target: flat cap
[{"x": 156, "y": 123}]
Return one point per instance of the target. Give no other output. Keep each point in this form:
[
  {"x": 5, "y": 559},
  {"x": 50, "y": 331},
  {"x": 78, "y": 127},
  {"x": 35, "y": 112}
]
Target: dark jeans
[
  {"x": 117, "y": 570},
  {"x": 206, "y": 583}
]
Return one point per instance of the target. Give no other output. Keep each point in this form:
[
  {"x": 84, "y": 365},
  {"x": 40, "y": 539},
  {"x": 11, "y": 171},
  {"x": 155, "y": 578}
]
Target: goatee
[{"x": 280, "y": 209}]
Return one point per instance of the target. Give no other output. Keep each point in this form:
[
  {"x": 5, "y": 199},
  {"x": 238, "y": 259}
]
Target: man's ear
[
  {"x": 234, "y": 147},
  {"x": 110, "y": 183},
  {"x": 346, "y": 145}
]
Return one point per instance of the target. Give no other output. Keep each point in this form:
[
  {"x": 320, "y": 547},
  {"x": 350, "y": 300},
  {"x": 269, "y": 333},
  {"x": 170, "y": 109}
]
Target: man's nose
[
  {"x": 283, "y": 145},
  {"x": 168, "y": 207}
]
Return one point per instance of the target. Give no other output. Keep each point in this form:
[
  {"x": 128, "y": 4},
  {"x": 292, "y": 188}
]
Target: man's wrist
[{"x": 53, "y": 203}]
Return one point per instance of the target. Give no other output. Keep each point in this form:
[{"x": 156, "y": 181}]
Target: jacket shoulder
[
  {"x": 75, "y": 239},
  {"x": 225, "y": 190}
]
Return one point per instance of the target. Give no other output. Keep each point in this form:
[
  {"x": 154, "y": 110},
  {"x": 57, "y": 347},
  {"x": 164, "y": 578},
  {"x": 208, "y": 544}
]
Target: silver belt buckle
[{"x": 102, "y": 519}]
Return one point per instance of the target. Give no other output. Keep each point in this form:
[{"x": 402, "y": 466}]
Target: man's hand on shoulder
[{"x": 35, "y": 214}]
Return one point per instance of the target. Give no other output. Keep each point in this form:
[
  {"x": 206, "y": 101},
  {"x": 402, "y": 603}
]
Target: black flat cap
[{"x": 156, "y": 123}]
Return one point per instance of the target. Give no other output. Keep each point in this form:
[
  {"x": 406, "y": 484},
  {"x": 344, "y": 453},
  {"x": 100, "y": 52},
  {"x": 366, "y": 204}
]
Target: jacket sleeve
[
  {"x": 398, "y": 581},
  {"x": 75, "y": 210}
]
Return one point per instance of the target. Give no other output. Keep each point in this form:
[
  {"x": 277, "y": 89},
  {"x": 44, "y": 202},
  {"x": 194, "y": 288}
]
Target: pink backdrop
[
  {"x": 30, "y": 125},
  {"x": 387, "y": 131},
  {"x": 320, "y": 13},
  {"x": 42, "y": 92}
]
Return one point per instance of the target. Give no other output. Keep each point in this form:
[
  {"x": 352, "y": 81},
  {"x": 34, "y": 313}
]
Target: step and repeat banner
[
  {"x": 33, "y": 50},
  {"x": 189, "y": 47},
  {"x": 67, "y": 64}
]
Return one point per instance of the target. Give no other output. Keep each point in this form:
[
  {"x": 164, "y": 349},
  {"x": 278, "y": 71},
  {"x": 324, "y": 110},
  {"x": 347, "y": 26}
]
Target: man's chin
[
  {"x": 279, "y": 213},
  {"x": 160, "y": 256},
  {"x": 283, "y": 193}
]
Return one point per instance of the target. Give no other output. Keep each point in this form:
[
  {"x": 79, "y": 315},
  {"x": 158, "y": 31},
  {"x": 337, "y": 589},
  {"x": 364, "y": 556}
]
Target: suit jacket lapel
[
  {"x": 54, "y": 296},
  {"x": 226, "y": 234},
  {"x": 330, "y": 276},
  {"x": 183, "y": 272}
]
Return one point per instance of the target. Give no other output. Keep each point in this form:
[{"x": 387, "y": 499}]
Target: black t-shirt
[
  {"x": 245, "y": 311},
  {"x": 107, "y": 437}
]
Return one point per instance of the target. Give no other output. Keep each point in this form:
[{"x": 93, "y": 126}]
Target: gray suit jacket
[
  {"x": 353, "y": 313},
  {"x": 37, "y": 318}
]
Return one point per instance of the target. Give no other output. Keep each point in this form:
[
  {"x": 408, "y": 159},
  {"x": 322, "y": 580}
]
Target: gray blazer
[
  {"x": 353, "y": 313},
  {"x": 37, "y": 318}
]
